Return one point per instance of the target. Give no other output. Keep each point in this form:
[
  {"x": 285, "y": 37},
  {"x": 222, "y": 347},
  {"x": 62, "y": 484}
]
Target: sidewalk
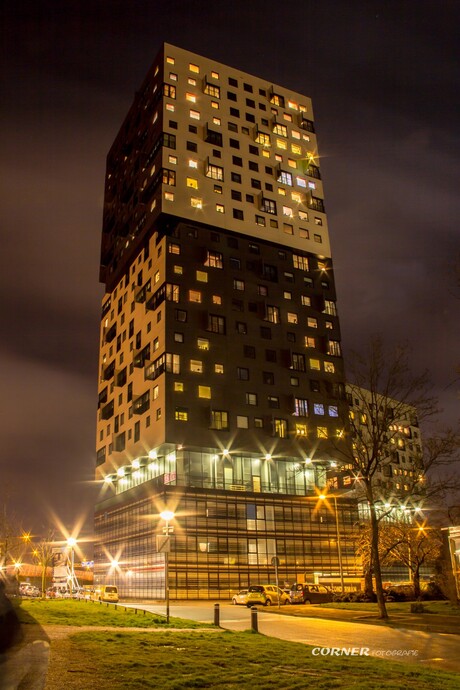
[{"x": 427, "y": 622}]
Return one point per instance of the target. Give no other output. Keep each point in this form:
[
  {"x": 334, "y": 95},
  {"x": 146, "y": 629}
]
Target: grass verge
[
  {"x": 441, "y": 607},
  {"x": 70, "y": 612},
  {"x": 224, "y": 660}
]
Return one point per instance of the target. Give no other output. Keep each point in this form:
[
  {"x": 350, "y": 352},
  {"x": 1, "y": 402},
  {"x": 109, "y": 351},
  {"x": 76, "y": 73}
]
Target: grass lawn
[
  {"x": 226, "y": 660},
  {"x": 443, "y": 607},
  {"x": 71, "y": 612}
]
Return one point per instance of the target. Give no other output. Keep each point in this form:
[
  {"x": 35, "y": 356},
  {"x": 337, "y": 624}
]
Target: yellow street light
[
  {"x": 325, "y": 497},
  {"x": 167, "y": 516}
]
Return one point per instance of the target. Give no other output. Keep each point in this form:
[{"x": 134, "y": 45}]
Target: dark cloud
[{"x": 383, "y": 79}]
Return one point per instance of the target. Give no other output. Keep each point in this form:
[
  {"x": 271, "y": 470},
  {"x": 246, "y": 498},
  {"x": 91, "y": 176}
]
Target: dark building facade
[{"x": 221, "y": 382}]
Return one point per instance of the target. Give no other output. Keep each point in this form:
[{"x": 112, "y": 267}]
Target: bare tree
[
  {"x": 11, "y": 542},
  {"x": 44, "y": 557},
  {"x": 390, "y": 398},
  {"x": 413, "y": 545}
]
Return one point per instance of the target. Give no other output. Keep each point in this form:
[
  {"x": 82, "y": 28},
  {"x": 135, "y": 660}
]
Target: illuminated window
[
  {"x": 296, "y": 196},
  {"x": 333, "y": 348},
  {"x": 300, "y": 429},
  {"x": 297, "y": 149},
  {"x": 300, "y": 407},
  {"x": 321, "y": 432},
  {"x": 169, "y": 196},
  {"x": 212, "y": 90},
  {"x": 251, "y": 399},
  {"x": 272, "y": 313},
  {"x": 170, "y": 108},
  {"x": 315, "y": 364},
  {"x": 281, "y": 191},
  {"x": 178, "y": 386},
  {"x": 214, "y": 260},
  {"x": 174, "y": 248},
  {"x": 204, "y": 392},
  {"x": 263, "y": 138},
  {"x": 287, "y": 211},
  {"x": 192, "y": 163},
  {"x": 285, "y": 178},
  {"x": 202, "y": 276},
  {"x": 309, "y": 341},
  {"x": 172, "y": 160},
  {"x": 216, "y": 299},
  {"x": 318, "y": 408},
  {"x": 318, "y": 221},
  {"x": 181, "y": 414},
  {"x": 305, "y": 301},
  {"x": 287, "y": 117},
  {"x": 300, "y": 262},
  {"x": 238, "y": 284},
  {"x": 170, "y": 60},
  {"x": 220, "y": 208},
  {"x": 194, "y": 68},
  {"x": 329, "y": 325},
  {"x": 215, "y": 105},
  {"x": 194, "y": 296},
  {"x": 203, "y": 344},
  {"x": 280, "y": 428},
  {"x": 215, "y": 172},
  {"x": 287, "y": 295},
  {"x": 312, "y": 322},
  {"x": 216, "y": 121},
  {"x": 281, "y": 144},
  {"x": 333, "y": 411},
  {"x": 190, "y": 97},
  {"x": 219, "y": 420},
  {"x": 242, "y": 422},
  {"x": 196, "y": 366},
  {"x": 194, "y": 114},
  {"x": 268, "y": 206},
  {"x": 196, "y": 203},
  {"x": 292, "y": 318},
  {"x": 191, "y": 81},
  {"x": 297, "y": 361},
  {"x": 279, "y": 129},
  {"x": 318, "y": 238},
  {"x": 191, "y": 182},
  {"x": 218, "y": 368}
]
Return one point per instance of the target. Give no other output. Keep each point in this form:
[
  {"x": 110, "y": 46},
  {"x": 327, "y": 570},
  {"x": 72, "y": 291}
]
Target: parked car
[
  {"x": 266, "y": 595},
  {"x": 310, "y": 594},
  {"x": 240, "y": 598},
  {"x": 28, "y": 590}
]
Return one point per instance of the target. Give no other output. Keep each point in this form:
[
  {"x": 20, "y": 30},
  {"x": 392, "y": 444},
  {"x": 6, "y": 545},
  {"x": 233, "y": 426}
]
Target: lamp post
[
  {"x": 324, "y": 497},
  {"x": 167, "y": 516},
  {"x": 71, "y": 542}
]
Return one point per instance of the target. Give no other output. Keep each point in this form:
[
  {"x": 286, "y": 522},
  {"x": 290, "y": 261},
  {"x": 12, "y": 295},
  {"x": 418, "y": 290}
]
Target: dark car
[{"x": 310, "y": 594}]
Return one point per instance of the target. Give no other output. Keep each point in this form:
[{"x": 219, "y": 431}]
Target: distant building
[{"x": 221, "y": 381}]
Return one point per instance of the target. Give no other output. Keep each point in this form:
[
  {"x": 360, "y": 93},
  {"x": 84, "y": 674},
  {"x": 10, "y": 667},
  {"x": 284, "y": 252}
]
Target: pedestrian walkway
[{"x": 427, "y": 622}]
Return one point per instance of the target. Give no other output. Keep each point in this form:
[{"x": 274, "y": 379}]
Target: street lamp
[
  {"x": 324, "y": 497},
  {"x": 71, "y": 543},
  {"x": 165, "y": 545}
]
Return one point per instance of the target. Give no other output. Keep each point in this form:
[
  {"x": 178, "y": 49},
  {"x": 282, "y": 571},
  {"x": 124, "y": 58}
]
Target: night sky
[{"x": 383, "y": 77}]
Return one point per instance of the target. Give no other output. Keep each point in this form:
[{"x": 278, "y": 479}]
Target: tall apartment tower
[{"x": 221, "y": 383}]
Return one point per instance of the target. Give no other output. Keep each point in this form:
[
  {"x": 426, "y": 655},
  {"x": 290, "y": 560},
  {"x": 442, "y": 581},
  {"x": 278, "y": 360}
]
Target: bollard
[
  {"x": 217, "y": 615},
  {"x": 254, "y": 624}
]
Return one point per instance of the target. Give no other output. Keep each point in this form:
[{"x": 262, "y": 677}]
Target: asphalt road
[{"x": 411, "y": 646}]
